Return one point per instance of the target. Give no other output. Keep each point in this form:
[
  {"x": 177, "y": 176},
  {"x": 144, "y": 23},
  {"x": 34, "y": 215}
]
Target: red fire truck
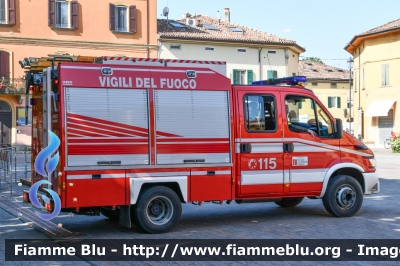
[{"x": 139, "y": 137}]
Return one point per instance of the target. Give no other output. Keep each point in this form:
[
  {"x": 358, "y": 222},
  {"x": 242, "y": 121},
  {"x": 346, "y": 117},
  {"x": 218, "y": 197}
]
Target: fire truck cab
[{"x": 139, "y": 137}]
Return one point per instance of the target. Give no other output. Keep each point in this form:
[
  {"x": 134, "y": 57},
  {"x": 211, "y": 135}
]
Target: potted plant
[{"x": 395, "y": 142}]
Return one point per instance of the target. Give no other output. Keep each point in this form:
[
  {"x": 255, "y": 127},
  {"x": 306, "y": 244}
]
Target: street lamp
[{"x": 350, "y": 64}]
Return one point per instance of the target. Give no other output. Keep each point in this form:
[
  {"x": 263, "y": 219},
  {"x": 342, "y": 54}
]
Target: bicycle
[{"x": 387, "y": 144}]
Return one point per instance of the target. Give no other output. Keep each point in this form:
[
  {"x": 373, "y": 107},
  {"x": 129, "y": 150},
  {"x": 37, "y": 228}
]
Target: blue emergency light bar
[{"x": 287, "y": 80}]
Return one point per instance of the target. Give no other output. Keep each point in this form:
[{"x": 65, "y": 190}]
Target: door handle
[
  {"x": 288, "y": 147},
  {"x": 245, "y": 148}
]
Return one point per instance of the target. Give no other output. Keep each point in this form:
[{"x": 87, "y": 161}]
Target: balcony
[{"x": 12, "y": 86}]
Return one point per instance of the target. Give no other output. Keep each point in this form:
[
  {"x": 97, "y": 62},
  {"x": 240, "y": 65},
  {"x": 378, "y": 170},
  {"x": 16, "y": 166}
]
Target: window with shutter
[
  {"x": 52, "y": 13},
  {"x": 132, "y": 19},
  {"x": 62, "y": 14},
  {"x": 387, "y": 83},
  {"x": 4, "y": 65},
  {"x": 249, "y": 77},
  {"x": 74, "y": 14},
  {"x": 355, "y": 81},
  {"x": 3, "y": 16},
  {"x": 122, "y": 19},
  {"x": 385, "y": 75},
  {"x": 11, "y": 12},
  {"x": 7, "y": 12},
  {"x": 272, "y": 74},
  {"x": 234, "y": 76},
  {"x": 363, "y": 80},
  {"x": 112, "y": 17}
]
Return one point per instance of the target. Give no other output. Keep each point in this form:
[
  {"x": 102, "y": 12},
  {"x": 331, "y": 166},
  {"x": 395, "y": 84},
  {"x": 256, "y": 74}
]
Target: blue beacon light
[{"x": 287, "y": 80}]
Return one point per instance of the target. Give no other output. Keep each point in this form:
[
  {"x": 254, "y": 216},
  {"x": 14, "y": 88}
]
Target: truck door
[
  {"x": 260, "y": 143},
  {"x": 307, "y": 158}
]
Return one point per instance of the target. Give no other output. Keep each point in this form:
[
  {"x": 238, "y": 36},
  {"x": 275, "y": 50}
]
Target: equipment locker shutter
[
  {"x": 385, "y": 126},
  {"x": 192, "y": 125},
  {"x": 107, "y": 125}
]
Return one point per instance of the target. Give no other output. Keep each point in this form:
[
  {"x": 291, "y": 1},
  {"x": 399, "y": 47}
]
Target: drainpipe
[
  {"x": 259, "y": 62},
  {"x": 148, "y": 34}
]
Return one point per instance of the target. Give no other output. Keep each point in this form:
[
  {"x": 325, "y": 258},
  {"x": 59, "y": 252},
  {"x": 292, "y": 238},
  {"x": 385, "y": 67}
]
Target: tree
[{"x": 314, "y": 59}]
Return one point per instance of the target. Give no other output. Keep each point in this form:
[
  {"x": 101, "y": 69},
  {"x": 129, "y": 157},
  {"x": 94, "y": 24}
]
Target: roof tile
[
  {"x": 314, "y": 70},
  {"x": 392, "y": 25},
  {"x": 223, "y": 33}
]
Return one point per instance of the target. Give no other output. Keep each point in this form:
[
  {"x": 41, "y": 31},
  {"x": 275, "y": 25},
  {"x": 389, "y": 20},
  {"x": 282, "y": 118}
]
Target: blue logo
[{"x": 46, "y": 169}]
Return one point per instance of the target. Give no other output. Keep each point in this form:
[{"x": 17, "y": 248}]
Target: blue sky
[{"x": 322, "y": 27}]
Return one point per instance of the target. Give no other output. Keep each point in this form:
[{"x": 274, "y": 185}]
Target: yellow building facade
[
  {"x": 331, "y": 86},
  {"x": 376, "y": 82}
]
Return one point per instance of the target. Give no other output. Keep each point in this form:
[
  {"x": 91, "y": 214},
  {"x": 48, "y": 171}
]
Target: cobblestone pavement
[{"x": 379, "y": 218}]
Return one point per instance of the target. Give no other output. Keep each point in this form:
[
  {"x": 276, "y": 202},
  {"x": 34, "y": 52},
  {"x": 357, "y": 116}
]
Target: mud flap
[{"x": 125, "y": 216}]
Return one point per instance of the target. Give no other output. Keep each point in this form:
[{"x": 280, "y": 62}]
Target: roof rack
[{"x": 292, "y": 81}]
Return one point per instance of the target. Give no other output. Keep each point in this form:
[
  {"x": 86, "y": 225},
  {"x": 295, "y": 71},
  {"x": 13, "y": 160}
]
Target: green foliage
[
  {"x": 314, "y": 59},
  {"x": 395, "y": 141}
]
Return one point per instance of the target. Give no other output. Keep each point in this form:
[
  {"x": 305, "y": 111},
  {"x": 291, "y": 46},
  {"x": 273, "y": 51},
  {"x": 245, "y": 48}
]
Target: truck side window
[
  {"x": 325, "y": 130},
  {"x": 259, "y": 113},
  {"x": 304, "y": 114}
]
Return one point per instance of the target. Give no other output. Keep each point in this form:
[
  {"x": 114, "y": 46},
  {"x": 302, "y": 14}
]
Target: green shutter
[
  {"x": 249, "y": 77},
  {"x": 387, "y": 75},
  {"x": 300, "y": 105},
  {"x": 362, "y": 80},
  {"x": 338, "y": 102},
  {"x": 234, "y": 77},
  {"x": 355, "y": 81},
  {"x": 329, "y": 102},
  {"x": 312, "y": 104},
  {"x": 348, "y": 104},
  {"x": 272, "y": 74},
  {"x": 383, "y": 74}
]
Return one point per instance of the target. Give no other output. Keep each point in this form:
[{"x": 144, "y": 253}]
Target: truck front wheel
[
  {"x": 157, "y": 210},
  {"x": 343, "y": 197}
]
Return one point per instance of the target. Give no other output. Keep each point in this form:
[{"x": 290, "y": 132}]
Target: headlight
[{"x": 373, "y": 162}]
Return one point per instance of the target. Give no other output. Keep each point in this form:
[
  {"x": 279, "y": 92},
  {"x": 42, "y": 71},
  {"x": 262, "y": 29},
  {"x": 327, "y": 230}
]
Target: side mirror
[{"x": 338, "y": 128}]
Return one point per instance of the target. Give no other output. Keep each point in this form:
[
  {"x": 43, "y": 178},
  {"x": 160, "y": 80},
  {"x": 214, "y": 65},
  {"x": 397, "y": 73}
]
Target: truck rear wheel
[
  {"x": 110, "y": 213},
  {"x": 343, "y": 197},
  {"x": 157, "y": 210},
  {"x": 289, "y": 202}
]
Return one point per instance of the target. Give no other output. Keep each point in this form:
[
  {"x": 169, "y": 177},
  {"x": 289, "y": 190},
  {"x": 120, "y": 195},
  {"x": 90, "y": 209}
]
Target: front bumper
[{"x": 371, "y": 181}]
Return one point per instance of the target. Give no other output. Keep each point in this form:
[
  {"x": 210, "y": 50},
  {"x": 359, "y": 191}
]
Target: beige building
[
  {"x": 376, "y": 55},
  {"x": 249, "y": 54},
  {"x": 30, "y": 29},
  {"x": 331, "y": 86}
]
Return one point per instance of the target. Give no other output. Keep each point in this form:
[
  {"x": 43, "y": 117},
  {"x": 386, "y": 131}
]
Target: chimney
[{"x": 227, "y": 14}]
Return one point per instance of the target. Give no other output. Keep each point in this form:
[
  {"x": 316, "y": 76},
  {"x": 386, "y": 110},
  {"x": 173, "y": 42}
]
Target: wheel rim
[
  {"x": 346, "y": 197},
  {"x": 159, "y": 210}
]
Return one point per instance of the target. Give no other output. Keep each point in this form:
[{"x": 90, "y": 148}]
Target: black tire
[
  {"x": 110, "y": 213},
  {"x": 158, "y": 210},
  {"x": 343, "y": 196},
  {"x": 289, "y": 202},
  {"x": 387, "y": 144}
]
